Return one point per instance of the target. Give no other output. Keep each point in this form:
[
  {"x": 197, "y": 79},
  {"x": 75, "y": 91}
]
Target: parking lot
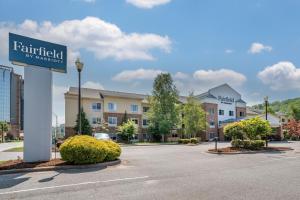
[{"x": 168, "y": 172}]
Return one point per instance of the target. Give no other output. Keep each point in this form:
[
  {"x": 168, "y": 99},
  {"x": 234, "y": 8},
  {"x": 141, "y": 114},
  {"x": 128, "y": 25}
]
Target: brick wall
[
  {"x": 214, "y": 117},
  {"x": 240, "y": 109}
]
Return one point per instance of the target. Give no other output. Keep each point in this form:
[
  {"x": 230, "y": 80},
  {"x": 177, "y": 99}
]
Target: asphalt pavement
[{"x": 168, "y": 172}]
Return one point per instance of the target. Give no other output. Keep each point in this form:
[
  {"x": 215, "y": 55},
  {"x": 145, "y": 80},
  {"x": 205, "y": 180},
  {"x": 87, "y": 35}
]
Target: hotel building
[{"x": 222, "y": 105}]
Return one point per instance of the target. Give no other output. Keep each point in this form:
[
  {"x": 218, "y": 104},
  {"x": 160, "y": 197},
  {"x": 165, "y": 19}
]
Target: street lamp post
[
  {"x": 266, "y": 106},
  {"x": 79, "y": 66}
]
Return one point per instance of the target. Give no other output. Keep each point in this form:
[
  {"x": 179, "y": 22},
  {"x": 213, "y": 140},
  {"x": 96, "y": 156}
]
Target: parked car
[{"x": 102, "y": 136}]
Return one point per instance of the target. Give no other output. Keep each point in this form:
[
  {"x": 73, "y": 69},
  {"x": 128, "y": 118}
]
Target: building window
[
  {"x": 242, "y": 114},
  {"x": 96, "y": 106},
  {"x": 145, "y": 122},
  {"x": 112, "y": 121},
  {"x": 174, "y": 135},
  {"x": 112, "y": 107},
  {"x": 134, "y": 108},
  {"x": 283, "y": 120},
  {"x": 231, "y": 113},
  {"x": 211, "y": 111},
  {"x": 145, "y": 109},
  {"x": 211, "y": 124},
  {"x": 96, "y": 120},
  {"x": 221, "y": 112},
  {"x": 136, "y": 121}
]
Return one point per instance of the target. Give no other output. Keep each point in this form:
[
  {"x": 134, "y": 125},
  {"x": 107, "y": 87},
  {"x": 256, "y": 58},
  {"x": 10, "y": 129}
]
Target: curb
[
  {"x": 143, "y": 145},
  {"x": 244, "y": 152},
  {"x": 64, "y": 167}
]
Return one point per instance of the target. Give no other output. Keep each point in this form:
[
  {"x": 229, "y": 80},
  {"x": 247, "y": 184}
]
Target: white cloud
[
  {"x": 281, "y": 76},
  {"x": 147, "y": 4},
  {"x": 93, "y": 85},
  {"x": 139, "y": 74},
  {"x": 199, "y": 81},
  {"x": 181, "y": 75},
  {"x": 220, "y": 76},
  {"x": 58, "y": 103},
  {"x": 259, "y": 47},
  {"x": 103, "y": 39},
  {"x": 228, "y": 51}
]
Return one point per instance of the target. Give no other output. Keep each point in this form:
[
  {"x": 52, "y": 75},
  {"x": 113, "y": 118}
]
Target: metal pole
[
  {"x": 79, "y": 103},
  {"x": 266, "y": 102}
]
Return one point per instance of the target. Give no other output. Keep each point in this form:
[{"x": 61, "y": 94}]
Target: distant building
[
  {"x": 222, "y": 105},
  {"x": 11, "y": 99},
  {"x": 276, "y": 121}
]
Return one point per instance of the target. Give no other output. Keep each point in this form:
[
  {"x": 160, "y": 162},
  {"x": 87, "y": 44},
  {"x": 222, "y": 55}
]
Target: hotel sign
[
  {"x": 28, "y": 51},
  {"x": 226, "y": 100}
]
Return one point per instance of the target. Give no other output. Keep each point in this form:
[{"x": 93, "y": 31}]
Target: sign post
[{"x": 40, "y": 58}]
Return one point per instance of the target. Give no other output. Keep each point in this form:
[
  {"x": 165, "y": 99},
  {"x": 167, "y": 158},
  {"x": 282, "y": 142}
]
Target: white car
[{"x": 101, "y": 136}]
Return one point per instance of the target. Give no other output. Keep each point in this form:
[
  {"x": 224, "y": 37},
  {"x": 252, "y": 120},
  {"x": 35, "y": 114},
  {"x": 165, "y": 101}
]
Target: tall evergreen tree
[
  {"x": 86, "y": 128},
  {"x": 194, "y": 116},
  {"x": 163, "y": 114},
  {"x": 125, "y": 118}
]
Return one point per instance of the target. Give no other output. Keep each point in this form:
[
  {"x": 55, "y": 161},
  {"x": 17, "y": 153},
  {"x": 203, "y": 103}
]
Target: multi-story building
[
  {"x": 11, "y": 99},
  {"x": 222, "y": 105}
]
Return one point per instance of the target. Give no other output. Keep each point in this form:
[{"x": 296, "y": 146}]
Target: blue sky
[{"x": 252, "y": 45}]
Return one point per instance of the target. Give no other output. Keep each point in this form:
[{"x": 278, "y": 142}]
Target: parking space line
[{"x": 74, "y": 184}]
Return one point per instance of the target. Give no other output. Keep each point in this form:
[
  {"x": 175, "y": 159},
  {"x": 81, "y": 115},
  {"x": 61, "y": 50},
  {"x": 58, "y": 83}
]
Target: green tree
[
  {"x": 127, "y": 130},
  {"x": 193, "y": 117},
  {"x": 256, "y": 128},
  {"x": 4, "y": 127},
  {"x": 86, "y": 128},
  {"x": 163, "y": 113},
  {"x": 234, "y": 131}
]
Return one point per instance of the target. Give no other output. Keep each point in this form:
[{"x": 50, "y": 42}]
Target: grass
[
  {"x": 2, "y": 161},
  {"x": 15, "y": 149}
]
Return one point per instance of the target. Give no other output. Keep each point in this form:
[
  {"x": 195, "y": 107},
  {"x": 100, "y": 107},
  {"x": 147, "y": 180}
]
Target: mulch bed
[
  {"x": 239, "y": 150},
  {"x": 19, "y": 164}
]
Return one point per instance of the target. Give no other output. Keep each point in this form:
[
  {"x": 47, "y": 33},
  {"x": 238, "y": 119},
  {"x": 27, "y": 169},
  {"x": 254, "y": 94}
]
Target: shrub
[
  {"x": 184, "y": 141},
  {"x": 114, "y": 150},
  {"x": 237, "y": 143},
  {"x": 194, "y": 140},
  {"x": 248, "y": 144},
  {"x": 83, "y": 149},
  {"x": 257, "y": 144}
]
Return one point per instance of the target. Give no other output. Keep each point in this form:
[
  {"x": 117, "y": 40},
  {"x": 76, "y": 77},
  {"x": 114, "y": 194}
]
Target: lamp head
[
  {"x": 266, "y": 98},
  {"x": 79, "y": 65}
]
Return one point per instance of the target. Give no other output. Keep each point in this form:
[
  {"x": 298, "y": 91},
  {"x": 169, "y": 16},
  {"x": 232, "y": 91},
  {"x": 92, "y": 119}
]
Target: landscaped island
[
  {"x": 248, "y": 136},
  {"x": 77, "y": 150}
]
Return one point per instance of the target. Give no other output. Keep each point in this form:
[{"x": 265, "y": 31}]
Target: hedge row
[
  {"x": 187, "y": 141},
  {"x": 248, "y": 144},
  {"x": 83, "y": 149}
]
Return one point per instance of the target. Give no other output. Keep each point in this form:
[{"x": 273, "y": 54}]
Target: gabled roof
[
  {"x": 224, "y": 85},
  {"x": 205, "y": 95},
  {"x": 209, "y": 95},
  {"x": 95, "y": 93},
  {"x": 241, "y": 101}
]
